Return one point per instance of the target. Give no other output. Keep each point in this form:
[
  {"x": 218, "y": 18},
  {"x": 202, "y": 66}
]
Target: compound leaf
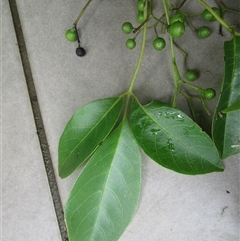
[
  {"x": 85, "y": 131},
  {"x": 173, "y": 140},
  {"x": 105, "y": 196},
  {"x": 226, "y": 120}
]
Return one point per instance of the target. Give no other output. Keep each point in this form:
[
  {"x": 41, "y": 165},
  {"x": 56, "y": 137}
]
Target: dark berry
[{"x": 80, "y": 52}]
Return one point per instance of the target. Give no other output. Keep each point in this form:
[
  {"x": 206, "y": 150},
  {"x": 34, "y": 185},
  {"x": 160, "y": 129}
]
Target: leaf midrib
[
  {"x": 66, "y": 159},
  {"x": 234, "y": 48},
  {"x": 202, "y": 157},
  {"x": 106, "y": 181}
]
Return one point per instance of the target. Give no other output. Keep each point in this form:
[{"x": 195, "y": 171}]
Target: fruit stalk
[
  {"x": 218, "y": 18},
  {"x": 140, "y": 56},
  {"x": 226, "y": 9},
  {"x": 129, "y": 91},
  {"x": 82, "y": 12},
  {"x": 177, "y": 77}
]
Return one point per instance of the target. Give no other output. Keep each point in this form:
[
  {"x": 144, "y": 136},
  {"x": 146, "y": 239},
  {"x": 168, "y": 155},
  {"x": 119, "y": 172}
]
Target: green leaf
[
  {"x": 85, "y": 131},
  {"x": 234, "y": 107},
  {"x": 173, "y": 140},
  {"x": 225, "y": 126},
  {"x": 105, "y": 196}
]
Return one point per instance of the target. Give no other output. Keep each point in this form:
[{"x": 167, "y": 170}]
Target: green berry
[
  {"x": 127, "y": 27},
  {"x": 209, "y": 93},
  {"x": 131, "y": 43},
  {"x": 71, "y": 35},
  {"x": 204, "y": 32},
  {"x": 140, "y": 17},
  {"x": 191, "y": 74},
  {"x": 140, "y": 5},
  {"x": 159, "y": 43},
  {"x": 177, "y": 17},
  {"x": 208, "y": 16},
  {"x": 177, "y": 29}
]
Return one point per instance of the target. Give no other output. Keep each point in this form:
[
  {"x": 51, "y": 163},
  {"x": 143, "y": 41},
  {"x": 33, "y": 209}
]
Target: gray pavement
[{"x": 172, "y": 206}]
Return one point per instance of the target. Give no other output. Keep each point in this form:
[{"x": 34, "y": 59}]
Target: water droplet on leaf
[
  {"x": 185, "y": 131},
  {"x": 220, "y": 115},
  {"x": 170, "y": 145},
  {"x": 174, "y": 116},
  {"x": 159, "y": 114},
  {"x": 141, "y": 123},
  {"x": 167, "y": 115},
  {"x": 180, "y": 117},
  {"x": 155, "y": 131}
]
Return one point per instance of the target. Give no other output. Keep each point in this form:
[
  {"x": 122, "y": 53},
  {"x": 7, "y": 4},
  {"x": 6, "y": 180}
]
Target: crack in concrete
[{"x": 38, "y": 121}]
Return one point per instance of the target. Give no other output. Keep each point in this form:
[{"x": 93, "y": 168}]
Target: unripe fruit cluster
[
  {"x": 209, "y": 93},
  {"x": 204, "y": 32},
  {"x": 177, "y": 27},
  {"x": 208, "y": 16},
  {"x": 159, "y": 43},
  {"x": 71, "y": 35},
  {"x": 131, "y": 43},
  {"x": 191, "y": 75},
  {"x": 140, "y": 6},
  {"x": 127, "y": 27}
]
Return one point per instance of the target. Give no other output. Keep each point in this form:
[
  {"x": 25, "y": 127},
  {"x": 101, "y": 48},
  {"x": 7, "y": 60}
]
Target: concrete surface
[
  {"x": 27, "y": 208},
  {"x": 172, "y": 206}
]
